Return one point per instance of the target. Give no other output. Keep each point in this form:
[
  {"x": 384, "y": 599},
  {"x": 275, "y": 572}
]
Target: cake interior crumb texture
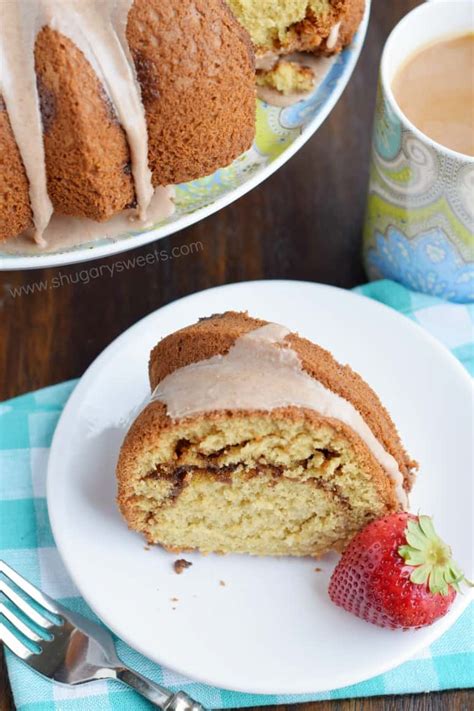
[
  {"x": 269, "y": 20},
  {"x": 285, "y": 26},
  {"x": 287, "y": 78},
  {"x": 258, "y": 484}
]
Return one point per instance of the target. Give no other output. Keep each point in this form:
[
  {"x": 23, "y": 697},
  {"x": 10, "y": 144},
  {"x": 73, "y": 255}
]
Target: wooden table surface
[{"x": 303, "y": 223}]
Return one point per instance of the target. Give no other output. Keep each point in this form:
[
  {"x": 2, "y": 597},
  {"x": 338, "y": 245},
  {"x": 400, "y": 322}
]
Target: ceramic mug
[{"x": 420, "y": 209}]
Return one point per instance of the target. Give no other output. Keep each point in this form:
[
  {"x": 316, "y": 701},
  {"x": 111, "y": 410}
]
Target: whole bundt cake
[
  {"x": 103, "y": 100},
  {"x": 257, "y": 441}
]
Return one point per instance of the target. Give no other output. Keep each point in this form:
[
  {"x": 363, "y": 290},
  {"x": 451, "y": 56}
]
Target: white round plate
[
  {"x": 280, "y": 134},
  {"x": 271, "y": 628}
]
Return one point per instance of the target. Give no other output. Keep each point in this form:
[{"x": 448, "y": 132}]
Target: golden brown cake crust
[
  {"x": 215, "y": 335},
  {"x": 15, "y": 212},
  {"x": 87, "y": 156},
  {"x": 353, "y": 13},
  {"x": 198, "y": 89}
]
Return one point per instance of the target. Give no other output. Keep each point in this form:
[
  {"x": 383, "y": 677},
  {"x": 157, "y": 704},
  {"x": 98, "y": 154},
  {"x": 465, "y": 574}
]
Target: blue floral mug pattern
[{"x": 419, "y": 226}]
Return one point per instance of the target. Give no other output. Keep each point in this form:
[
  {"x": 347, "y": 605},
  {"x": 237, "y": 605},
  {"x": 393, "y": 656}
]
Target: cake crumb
[
  {"x": 222, "y": 583},
  {"x": 181, "y": 565},
  {"x": 146, "y": 548},
  {"x": 318, "y": 570},
  {"x": 287, "y": 78},
  {"x": 174, "y": 599}
]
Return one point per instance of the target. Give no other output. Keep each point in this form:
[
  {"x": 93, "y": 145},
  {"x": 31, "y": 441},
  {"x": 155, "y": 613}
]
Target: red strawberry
[{"x": 396, "y": 573}]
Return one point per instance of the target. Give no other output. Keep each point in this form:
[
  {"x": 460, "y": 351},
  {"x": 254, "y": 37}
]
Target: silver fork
[{"x": 72, "y": 649}]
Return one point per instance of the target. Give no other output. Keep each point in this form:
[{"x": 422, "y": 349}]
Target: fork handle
[{"x": 158, "y": 695}]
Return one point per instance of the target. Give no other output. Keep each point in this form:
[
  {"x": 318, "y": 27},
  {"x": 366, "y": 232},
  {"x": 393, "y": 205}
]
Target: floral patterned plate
[{"x": 280, "y": 134}]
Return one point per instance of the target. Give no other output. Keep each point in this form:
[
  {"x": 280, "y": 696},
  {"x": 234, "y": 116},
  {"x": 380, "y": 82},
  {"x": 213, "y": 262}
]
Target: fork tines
[{"x": 31, "y": 613}]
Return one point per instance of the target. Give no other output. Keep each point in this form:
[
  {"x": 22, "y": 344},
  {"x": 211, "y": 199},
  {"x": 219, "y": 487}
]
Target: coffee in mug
[
  {"x": 435, "y": 90},
  {"x": 419, "y": 226}
]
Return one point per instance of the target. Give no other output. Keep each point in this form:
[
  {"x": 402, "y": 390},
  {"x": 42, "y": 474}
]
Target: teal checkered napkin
[{"x": 26, "y": 427}]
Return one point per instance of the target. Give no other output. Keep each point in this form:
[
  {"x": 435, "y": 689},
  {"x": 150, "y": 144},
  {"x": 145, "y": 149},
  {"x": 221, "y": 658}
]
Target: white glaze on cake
[
  {"x": 64, "y": 232},
  {"x": 261, "y": 372},
  {"x": 19, "y": 24},
  {"x": 333, "y": 36}
]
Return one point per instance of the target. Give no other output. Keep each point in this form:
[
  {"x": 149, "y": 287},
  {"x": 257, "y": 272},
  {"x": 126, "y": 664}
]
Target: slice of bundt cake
[
  {"x": 286, "y": 26},
  {"x": 257, "y": 441},
  {"x": 103, "y": 100}
]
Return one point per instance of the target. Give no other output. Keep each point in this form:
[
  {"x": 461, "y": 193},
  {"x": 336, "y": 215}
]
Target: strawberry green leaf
[
  {"x": 453, "y": 574},
  {"x": 426, "y": 525},
  {"x": 430, "y": 558},
  {"x": 415, "y": 536},
  {"x": 411, "y": 555},
  {"x": 415, "y": 541},
  {"x": 421, "y": 574},
  {"x": 438, "y": 583}
]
